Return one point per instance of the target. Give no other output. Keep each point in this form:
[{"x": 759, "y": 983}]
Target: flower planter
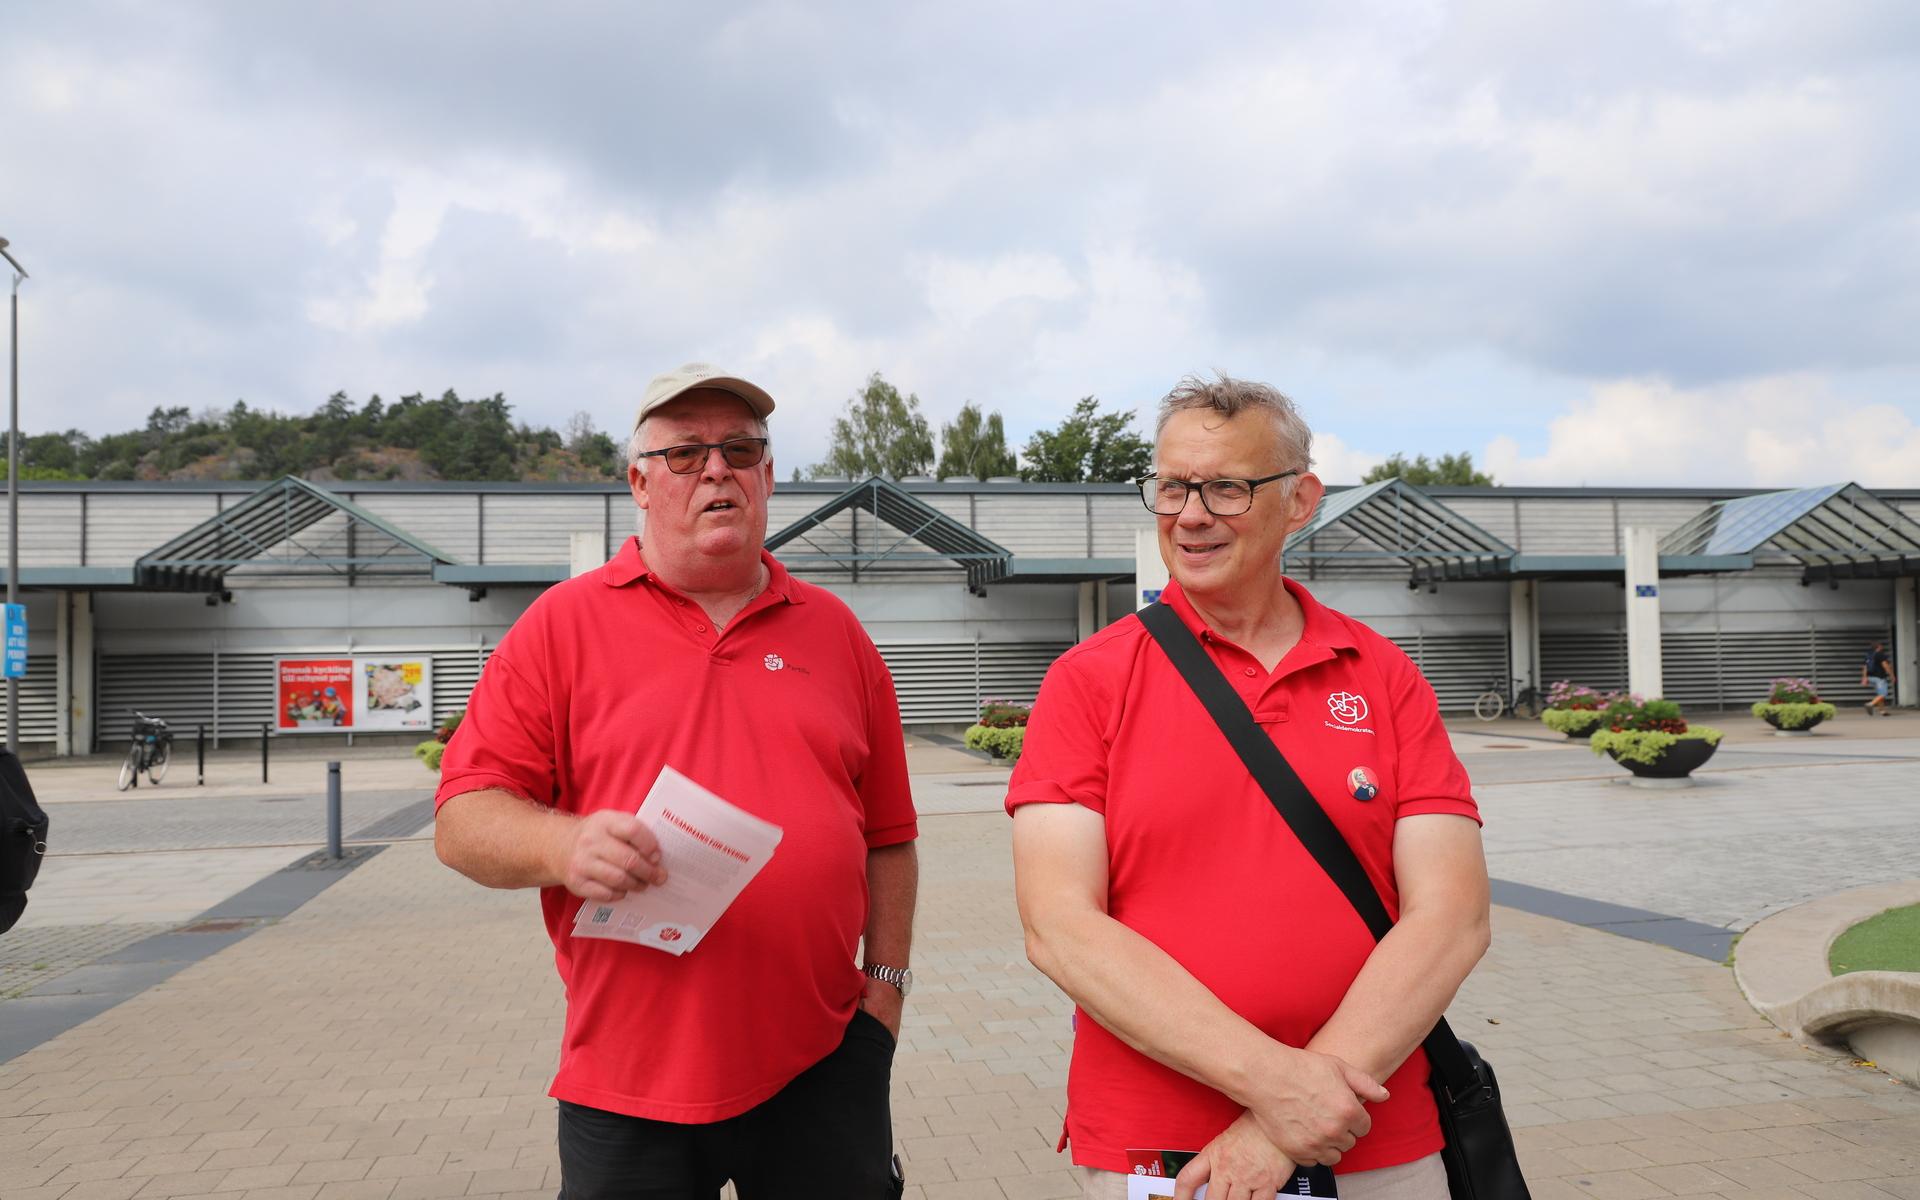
[
  {"x": 1773, "y": 719},
  {"x": 1682, "y": 759}
]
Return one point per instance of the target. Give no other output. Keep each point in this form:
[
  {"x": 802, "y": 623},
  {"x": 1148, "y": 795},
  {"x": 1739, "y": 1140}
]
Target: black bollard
[
  {"x": 201, "y": 754},
  {"x": 263, "y": 752},
  {"x": 333, "y": 811}
]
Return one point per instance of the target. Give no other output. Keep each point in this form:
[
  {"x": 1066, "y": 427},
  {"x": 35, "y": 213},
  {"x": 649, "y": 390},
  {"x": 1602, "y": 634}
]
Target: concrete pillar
[
  {"x": 1087, "y": 617},
  {"x": 1523, "y": 632},
  {"x": 73, "y": 671},
  {"x": 1906, "y": 641},
  {"x": 1101, "y": 617},
  {"x": 1149, "y": 572},
  {"x": 1643, "y": 612},
  {"x": 586, "y": 550}
]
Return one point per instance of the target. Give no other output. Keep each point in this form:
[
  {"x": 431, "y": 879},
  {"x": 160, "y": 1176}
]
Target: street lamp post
[{"x": 13, "y": 490}]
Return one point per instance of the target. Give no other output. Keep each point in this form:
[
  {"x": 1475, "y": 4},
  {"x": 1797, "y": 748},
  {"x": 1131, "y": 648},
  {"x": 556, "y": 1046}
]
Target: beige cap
[{"x": 681, "y": 380}]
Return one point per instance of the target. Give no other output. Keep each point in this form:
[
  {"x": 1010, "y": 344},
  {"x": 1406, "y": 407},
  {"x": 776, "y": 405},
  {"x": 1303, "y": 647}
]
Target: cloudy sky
[{"x": 1671, "y": 242}]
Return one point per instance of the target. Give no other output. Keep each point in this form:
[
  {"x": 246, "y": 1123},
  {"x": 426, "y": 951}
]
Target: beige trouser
[{"x": 1421, "y": 1179}]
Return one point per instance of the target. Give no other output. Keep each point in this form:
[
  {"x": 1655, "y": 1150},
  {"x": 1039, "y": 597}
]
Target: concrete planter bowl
[
  {"x": 1673, "y": 767},
  {"x": 1776, "y": 717}
]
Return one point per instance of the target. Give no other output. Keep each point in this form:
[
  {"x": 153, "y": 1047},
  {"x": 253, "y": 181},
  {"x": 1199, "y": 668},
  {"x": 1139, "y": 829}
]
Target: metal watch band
[{"x": 898, "y": 977}]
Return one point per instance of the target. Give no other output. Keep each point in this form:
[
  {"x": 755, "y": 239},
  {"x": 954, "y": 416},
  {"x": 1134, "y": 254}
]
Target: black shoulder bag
[
  {"x": 1482, "y": 1163},
  {"x": 23, "y": 839}
]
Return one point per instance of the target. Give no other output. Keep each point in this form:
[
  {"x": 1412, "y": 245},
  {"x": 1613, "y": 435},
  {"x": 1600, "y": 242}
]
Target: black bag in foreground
[
  {"x": 1482, "y": 1163},
  {"x": 23, "y": 839}
]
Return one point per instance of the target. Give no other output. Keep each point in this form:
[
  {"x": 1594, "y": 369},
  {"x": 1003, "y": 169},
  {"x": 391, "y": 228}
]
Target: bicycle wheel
[
  {"x": 1489, "y": 706},
  {"x": 157, "y": 765},
  {"x": 129, "y": 768}
]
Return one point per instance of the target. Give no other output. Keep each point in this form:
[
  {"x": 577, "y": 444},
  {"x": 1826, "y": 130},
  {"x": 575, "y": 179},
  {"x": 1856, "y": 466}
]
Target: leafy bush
[
  {"x": 1647, "y": 746},
  {"x": 1631, "y": 714},
  {"x": 1795, "y": 716},
  {"x": 1004, "y": 714},
  {"x": 1001, "y": 742},
  {"x": 1575, "y": 721},
  {"x": 448, "y": 724},
  {"x": 1789, "y": 689},
  {"x": 430, "y": 752}
]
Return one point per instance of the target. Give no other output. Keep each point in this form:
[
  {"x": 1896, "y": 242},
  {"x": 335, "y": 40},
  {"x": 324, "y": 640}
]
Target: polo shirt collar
[
  {"x": 1322, "y": 627},
  {"x": 630, "y": 564}
]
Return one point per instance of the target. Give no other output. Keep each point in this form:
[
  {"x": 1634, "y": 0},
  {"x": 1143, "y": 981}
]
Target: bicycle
[
  {"x": 151, "y": 752},
  {"x": 1506, "y": 696}
]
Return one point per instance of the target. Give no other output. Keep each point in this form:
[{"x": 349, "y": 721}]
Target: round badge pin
[{"x": 1360, "y": 784}]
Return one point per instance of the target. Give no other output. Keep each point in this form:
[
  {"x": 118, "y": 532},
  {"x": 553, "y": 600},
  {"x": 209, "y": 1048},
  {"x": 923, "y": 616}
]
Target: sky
[{"x": 1604, "y": 242}]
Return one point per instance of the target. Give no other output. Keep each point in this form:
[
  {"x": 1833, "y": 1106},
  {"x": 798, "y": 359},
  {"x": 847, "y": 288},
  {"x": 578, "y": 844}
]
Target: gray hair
[
  {"x": 638, "y": 442},
  {"x": 1230, "y": 397}
]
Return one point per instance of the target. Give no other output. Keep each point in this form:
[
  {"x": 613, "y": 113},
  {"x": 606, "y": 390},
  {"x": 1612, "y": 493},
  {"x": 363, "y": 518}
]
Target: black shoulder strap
[{"x": 1294, "y": 802}]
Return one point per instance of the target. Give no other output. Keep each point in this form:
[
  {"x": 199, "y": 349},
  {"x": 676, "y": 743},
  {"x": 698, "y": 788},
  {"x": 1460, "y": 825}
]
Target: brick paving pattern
[
  {"x": 393, "y": 1038},
  {"x": 30, "y": 957}
]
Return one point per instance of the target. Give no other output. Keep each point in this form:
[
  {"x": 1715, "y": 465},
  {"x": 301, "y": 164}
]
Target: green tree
[
  {"x": 880, "y": 433},
  {"x": 974, "y": 446},
  {"x": 1453, "y": 470},
  {"x": 1088, "y": 447}
]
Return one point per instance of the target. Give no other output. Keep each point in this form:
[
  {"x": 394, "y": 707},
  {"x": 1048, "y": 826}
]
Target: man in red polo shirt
[
  {"x": 762, "y": 1055},
  {"x": 1230, "y": 999}
]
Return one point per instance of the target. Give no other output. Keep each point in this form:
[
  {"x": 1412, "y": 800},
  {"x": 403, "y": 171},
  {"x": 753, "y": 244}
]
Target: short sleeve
[
  {"x": 1063, "y": 758},
  {"x": 505, "y": 741},
  {"x": 1431, "y": 778},
  {"x": 886, "y": 796}
]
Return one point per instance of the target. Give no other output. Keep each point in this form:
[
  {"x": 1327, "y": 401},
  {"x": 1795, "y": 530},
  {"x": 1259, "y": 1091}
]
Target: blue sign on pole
[{"x": 16, "y": 641}]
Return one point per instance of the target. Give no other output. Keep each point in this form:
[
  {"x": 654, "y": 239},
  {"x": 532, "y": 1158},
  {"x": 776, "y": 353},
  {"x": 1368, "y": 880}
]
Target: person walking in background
[{"x": 1877, "y": 673}]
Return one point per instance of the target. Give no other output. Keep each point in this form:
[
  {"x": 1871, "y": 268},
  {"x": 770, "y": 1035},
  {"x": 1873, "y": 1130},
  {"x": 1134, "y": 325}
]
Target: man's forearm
[
  {"x": 893, "y": 883},
  {"x": 500, "y": 840},
  {"x": 1400, "y": 993},
  {"x": 1140, "y": 994}
]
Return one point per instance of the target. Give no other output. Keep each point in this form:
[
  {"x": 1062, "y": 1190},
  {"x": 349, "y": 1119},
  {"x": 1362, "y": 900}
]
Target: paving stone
[{"x": 408, "y": 1018}]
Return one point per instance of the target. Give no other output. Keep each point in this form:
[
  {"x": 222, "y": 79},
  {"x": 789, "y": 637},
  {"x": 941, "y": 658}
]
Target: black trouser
[{"x": 828, "y": 1132}]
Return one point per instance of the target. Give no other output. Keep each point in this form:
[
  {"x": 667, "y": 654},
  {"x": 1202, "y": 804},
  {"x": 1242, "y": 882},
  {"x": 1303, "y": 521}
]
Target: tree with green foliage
[
  {"x": 880, "y": 433},
  {"x": 447, "y": 438},
  {"x": 974, "y": 446},
  {"x": 1088, "y": 447},
  {"x": 1453, "y": 470}
]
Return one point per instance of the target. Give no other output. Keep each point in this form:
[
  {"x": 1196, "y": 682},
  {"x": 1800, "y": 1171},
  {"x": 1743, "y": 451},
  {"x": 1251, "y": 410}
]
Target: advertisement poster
[
  {"x": 392, "y": 693},
  {"x": 314, "y": 694}
]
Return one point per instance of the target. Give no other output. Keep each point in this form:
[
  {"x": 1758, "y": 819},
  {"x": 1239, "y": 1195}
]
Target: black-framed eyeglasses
[
  {"x": 1221, "y": 497},
  {"x": 738, "y": 453}
]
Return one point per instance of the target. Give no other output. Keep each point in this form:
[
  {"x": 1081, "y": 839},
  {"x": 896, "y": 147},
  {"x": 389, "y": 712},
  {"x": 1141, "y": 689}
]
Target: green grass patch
[{"x": 1888, "y": 942}]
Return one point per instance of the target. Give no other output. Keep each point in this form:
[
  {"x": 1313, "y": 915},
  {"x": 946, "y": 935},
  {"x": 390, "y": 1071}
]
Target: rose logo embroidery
[
  {"x": 774, "y": 662},
  {"x": 669, "y": 934},
  {"x": 1348, "y": 708}
]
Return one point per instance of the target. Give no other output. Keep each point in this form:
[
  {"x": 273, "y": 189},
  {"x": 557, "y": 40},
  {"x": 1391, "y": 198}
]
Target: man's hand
[
  {"x": 608, "y": 854},
  {"x": 1240, "y": 1164},
  {"x": 1314, "y": 1106},
  {"x": 884, "y": 1001}
]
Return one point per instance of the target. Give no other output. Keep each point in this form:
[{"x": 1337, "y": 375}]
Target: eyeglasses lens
[
  {"x": 1222, "y": 497},
  {"x": 739, "y": 454}
]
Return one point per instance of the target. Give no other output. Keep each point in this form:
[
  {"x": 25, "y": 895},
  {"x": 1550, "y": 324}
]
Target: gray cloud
[{"x": 1017, "y": 205}]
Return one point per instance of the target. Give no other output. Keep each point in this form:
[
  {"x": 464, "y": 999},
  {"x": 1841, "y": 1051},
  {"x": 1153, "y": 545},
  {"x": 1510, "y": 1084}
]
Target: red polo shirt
[
  {"x": 1202, "y": 866},
  {"x": 790, "y": 714}
]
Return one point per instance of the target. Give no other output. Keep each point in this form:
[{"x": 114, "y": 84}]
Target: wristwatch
[{"x": 900, "y": 977}]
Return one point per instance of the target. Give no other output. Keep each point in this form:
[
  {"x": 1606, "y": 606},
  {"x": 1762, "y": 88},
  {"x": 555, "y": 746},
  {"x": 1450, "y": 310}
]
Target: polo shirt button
[
  {"x": 681, "y": 603},
  {"x": 1251, "y": 672},
  {"x": 699, "y": 628}
]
